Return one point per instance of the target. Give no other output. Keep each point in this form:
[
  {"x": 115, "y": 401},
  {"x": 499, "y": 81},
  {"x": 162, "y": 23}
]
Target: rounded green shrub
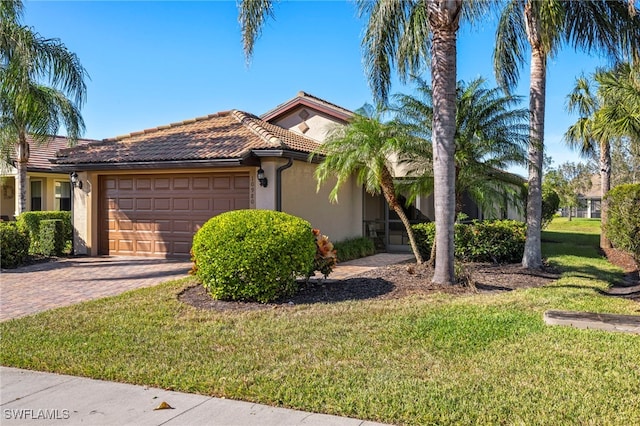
[
  {"x": 623, "y": 218},
  {"x": 14, "y": 245},
  {"x": 253, "y": 255}
]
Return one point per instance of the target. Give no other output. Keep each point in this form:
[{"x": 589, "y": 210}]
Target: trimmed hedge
[
  {"x": 51, "y": 237},
  {"x": 498, "y": 241},
  {"x": 623, "y": 218},
  {"x": 253, "y": 255},
  {"x": 14, "y": 245},
  {"x": 31, "y": 222},
  {"x": 354, "y": 248}
]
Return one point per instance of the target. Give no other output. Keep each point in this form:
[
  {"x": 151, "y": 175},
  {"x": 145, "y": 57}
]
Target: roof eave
[{"x": 148, "y": 165}]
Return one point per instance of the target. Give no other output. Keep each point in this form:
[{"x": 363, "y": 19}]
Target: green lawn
[{"x": 485, "y": 359}]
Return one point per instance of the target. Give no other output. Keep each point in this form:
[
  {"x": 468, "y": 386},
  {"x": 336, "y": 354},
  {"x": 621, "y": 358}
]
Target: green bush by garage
[
  {"x": 14, "y": 245},
  {"x": 31, "y": 221},
  {"x": 253, "y": 255}
]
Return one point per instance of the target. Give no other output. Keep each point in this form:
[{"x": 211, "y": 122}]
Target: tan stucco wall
[
  {"x": 339, "y": 220},
  {"x": 318, "y": 124},
  {"x": 8, "y": 204}
]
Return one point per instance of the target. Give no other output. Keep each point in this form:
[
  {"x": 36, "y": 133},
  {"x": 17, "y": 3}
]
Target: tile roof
[
  {"x": 225, "y": 135},
  {"x": 306, "y": 99},
  {"x": 40, "y": 154}
]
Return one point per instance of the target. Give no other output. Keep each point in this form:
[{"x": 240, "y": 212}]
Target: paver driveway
[{"x": 63, "y": 282}]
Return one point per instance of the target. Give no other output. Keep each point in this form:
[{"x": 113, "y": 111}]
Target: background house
[
  {"x": 47, "y": 188},
  {"x": 589, "y": 203}
]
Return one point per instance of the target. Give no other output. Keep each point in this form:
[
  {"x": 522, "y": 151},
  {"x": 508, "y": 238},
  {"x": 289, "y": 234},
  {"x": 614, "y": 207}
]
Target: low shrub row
[
  {"x": 354, "y": 248},
  {"x": 498, "y": 241},
  {"x": 32, "y": 223}
]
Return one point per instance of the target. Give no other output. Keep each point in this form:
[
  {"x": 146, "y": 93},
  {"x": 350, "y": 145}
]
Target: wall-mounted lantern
[
  {"x": 75, "y": 181},
  {"x": 261, "y": 178}
]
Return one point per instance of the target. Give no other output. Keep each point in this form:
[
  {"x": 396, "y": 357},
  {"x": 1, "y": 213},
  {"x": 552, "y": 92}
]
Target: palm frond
[{"x": 252, "y": 16}]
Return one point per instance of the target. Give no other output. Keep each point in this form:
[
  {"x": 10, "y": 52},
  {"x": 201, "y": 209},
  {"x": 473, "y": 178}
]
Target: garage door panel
[
  {"x": 143, "y": 183},
  {"x": 157, "y": 215},
  {"x": 241, "y": 182}
]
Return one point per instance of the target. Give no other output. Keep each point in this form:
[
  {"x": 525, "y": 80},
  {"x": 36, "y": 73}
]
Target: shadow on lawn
[{"x": 315, "y": 291}]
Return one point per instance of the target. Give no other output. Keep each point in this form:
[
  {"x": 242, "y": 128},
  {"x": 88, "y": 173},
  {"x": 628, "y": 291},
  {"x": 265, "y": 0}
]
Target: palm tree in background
[
  {"x": 41, "y": 87},
  {"x": 608, "y": 105},
  {"x": 587, "y": 135},
  {"x": 367, "y": 148},
  {"x": 607, "y": 26},
  {"x": 491, "y": 133}
]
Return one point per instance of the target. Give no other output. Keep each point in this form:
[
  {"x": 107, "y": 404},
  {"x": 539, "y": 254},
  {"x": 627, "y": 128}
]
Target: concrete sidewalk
[{"x": 29, "y": 397}]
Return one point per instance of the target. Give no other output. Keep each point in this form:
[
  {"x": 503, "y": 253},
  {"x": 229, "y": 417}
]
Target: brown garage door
[{"x": 157, "y": 215}]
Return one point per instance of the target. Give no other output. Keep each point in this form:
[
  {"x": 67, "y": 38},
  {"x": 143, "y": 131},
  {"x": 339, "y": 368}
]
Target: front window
[
  {"x": 36, "y": 195},
  {"x": 63, "y": 196}
]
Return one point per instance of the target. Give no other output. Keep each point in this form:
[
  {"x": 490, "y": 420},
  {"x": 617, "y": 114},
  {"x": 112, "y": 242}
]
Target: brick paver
[{"x": 39, "y": 287}]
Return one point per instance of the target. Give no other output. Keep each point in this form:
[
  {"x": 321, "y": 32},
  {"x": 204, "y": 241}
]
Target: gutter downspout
[{"x": 279, "y": 183}]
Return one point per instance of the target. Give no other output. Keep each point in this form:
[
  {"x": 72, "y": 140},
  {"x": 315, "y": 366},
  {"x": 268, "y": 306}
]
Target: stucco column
[
  {"x": 80, "y": 214},
  {"x": 266, "y": 196}
]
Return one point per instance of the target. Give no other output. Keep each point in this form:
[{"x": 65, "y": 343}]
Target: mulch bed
[{"x": 388, "y": 282}]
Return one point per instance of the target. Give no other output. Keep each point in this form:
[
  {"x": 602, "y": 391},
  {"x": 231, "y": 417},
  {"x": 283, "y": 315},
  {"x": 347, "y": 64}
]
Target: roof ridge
[
  {"x": 303, "y": 94},
  {"x": 251, "y": 122},
  {"x": 167, "y": 126}
]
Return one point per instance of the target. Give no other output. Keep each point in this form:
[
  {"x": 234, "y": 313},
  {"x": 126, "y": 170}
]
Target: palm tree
[
  {"x": 366, "y": 148},
  {"x": 407, "y": 35},
  {"x": 620, "y": 89},
  {"x": 609, "y": 26},
  {"x": 403, "y": 33},
  {"x": 29, "y": 107},
  {"x": 586, "y": 135},
  {"x": 491, "y": 134}
]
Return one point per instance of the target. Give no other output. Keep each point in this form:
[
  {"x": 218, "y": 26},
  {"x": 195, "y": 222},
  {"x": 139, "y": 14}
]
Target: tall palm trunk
[
  {"x": 21, "y": 166},
  {"x": 532, "y": 257},
  {"x": 386, "y": 183},
  {"x": 605, "y": 186},
  {"x": 444, "y": 17}
]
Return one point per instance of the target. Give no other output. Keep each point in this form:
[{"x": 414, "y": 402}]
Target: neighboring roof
[
  {"x": 595, "y": 190},
  {"x": 41, "y": 154},
  {"x": 229, "y": 135},
  {"x": 305, "y": 99}
]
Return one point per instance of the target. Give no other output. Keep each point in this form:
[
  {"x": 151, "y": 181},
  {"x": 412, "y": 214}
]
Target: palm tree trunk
[
  {"x": 532, "y": 257},
  {"x": 21, "y": 166},
  {"x": 605, "y": 186},
  {"x": 388, "y": 190},
  {"x": 444, "y": 17}
]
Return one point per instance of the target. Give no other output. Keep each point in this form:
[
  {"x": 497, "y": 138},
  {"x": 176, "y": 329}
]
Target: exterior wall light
[
  {"x": 261, "y": 178},
  {"x": 75, "y": 182}
]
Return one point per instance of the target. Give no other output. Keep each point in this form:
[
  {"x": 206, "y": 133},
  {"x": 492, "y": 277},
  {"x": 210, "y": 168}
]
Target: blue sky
[{"x": 154, "y": 63}]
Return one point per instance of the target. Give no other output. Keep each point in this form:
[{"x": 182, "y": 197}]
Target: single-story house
[
  {"x": 589, "y": 203},
  {"x": 148, "y": 192},
  {"x": 47, "y": 187}
]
